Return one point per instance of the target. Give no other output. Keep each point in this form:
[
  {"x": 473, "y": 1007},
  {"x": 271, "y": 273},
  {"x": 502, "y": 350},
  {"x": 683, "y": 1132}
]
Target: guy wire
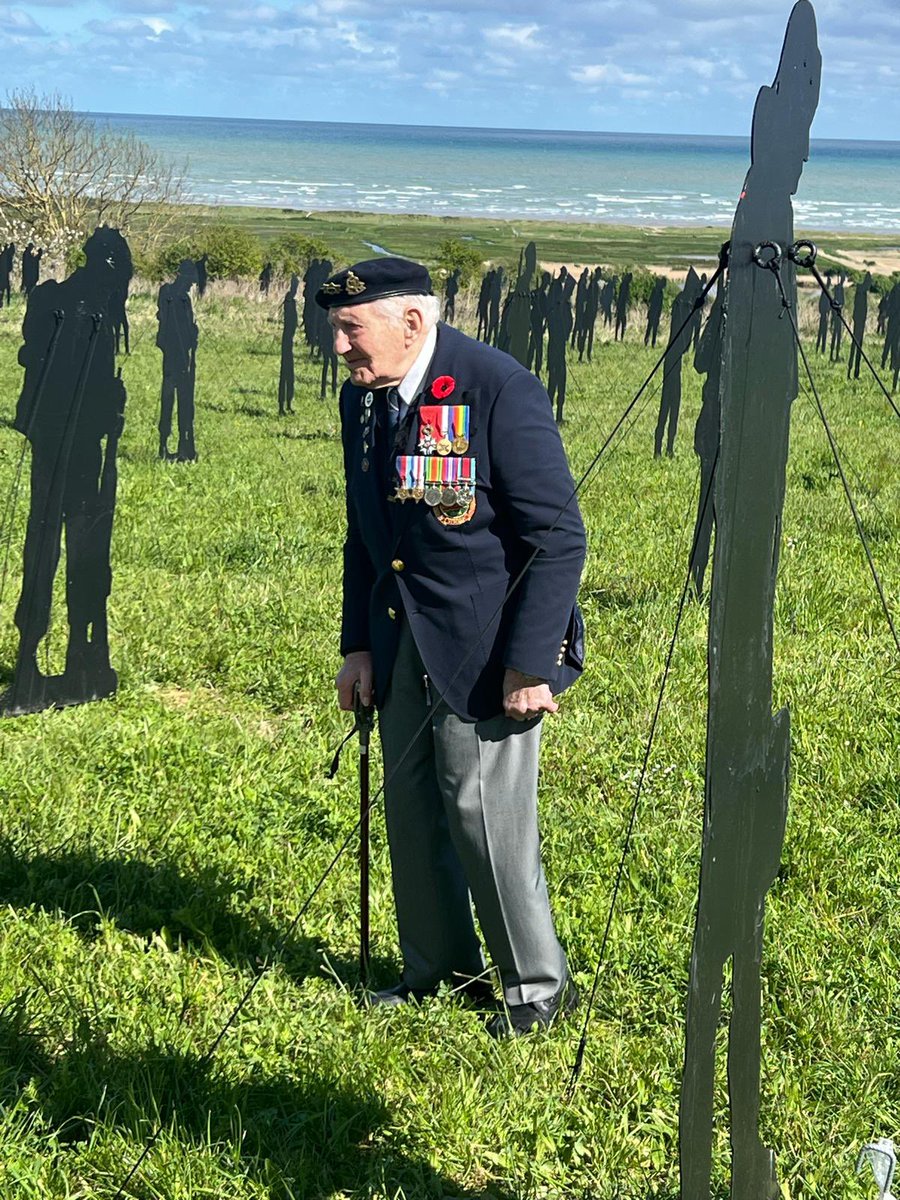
[
  {"x": 775, "y": 267},
  {"x": 809, "y": 263},
  {"x": 626, "y": 844}
]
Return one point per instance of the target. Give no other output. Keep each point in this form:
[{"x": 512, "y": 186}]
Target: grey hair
[{"x": 394, "y": 307}]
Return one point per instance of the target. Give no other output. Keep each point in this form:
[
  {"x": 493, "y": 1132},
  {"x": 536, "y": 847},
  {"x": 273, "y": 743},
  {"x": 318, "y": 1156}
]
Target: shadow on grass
[
  {"x": 156, "y": 899},
  {"x": 298, "y": 1135}
]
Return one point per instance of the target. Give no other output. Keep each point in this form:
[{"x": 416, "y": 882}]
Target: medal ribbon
[{"x": 460, "y": 419}]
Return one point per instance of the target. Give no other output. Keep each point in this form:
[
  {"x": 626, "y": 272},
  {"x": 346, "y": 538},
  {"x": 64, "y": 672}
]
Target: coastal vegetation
[{"x": 155, "y": 849}]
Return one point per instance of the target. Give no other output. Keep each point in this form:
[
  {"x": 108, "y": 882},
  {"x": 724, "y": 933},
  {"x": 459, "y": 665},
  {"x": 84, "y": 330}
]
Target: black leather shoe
[{"x": 518, "y": 1019}]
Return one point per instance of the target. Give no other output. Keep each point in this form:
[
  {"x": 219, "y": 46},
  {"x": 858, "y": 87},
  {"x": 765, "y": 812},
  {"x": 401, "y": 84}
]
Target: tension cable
[
  {"x": 774, "y": 265},
  {"x": 808, "y": 260}
]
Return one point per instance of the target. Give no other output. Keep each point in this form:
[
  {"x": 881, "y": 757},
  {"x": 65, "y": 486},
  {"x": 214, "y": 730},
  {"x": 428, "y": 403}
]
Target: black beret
[{"x": 372, "y": 280}]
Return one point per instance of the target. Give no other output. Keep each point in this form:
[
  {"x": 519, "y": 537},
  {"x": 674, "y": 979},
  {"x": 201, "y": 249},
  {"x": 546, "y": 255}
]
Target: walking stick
[{"x": 365, "y": 721}]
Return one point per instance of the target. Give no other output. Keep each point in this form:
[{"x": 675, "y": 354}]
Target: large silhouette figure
[
  {"x": 71, "y": 400},
  {"x": 288, "y": 332},
  {"x": 177, "y": 338},
  {"x": 680, "y": 336},
  {"x": 708, "y": 362},
  {"x": 860, "y": 315},
  {"x": 623, "y": 300},
  {"x": 747, "y": 748},
  {"x": 31, "y": 268},
  {"x": 591, "y": 310},
  {"x": 654, "y": 310},
  {"x": 265, "y": 278}
]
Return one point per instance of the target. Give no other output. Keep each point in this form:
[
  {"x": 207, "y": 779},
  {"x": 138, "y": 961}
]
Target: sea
[{"x": 509, "y": 174}]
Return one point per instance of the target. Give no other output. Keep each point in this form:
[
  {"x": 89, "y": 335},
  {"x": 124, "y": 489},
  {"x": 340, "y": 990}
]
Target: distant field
[
  {"x": 155, "y": 848},
  {"x": 352, "y": 235}
]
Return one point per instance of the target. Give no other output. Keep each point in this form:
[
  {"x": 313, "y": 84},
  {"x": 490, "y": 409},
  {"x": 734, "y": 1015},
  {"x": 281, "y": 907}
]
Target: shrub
[
  {"x": 454, "y": 254},
  {"x": 291, "y": 253},
  {"x": 232, "y": 251}
]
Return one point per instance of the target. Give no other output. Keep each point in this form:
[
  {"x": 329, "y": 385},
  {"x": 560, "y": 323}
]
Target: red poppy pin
[{"x": 443, "y": 387}]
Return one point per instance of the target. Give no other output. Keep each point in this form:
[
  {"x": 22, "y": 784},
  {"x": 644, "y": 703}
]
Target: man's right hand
[{"x": 357, "y": 668}]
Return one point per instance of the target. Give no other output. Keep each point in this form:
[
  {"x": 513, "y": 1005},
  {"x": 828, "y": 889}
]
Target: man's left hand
[{"x": 525, "y": 697}]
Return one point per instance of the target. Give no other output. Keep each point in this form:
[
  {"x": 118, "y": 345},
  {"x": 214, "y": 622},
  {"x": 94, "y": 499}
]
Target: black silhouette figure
[
  {"x": 747, "y": 747},
  {"x": 177, "y": 338},
  {"x": 591, "y": 310},
  {"x": 451, "y": 291},
  {"x": 581, "y": 296},
  {"x": 7, "y": 264},
  {"x": 654, "y": 310},
  {"x": 202, "y": 274},
  {"x": 860, "y": 315},
  {"x": 31, "y": 268},
  {"x": 516, "y": 333},
  {"x": 71, "y": 400},
  {"x": 680, "y": 337},
  {"x": 608, "y": 299},
  {"x": 824, "y": 310},
  {"x": 495, "y": 302},
  {"x": 708, "y": 362},
  {"x": 288, "y": 331},
  {"x": 891, "y": 351},
  {"x": 538, "y": 317},
  {"x": 559, "y": 328},
  {"x": 325, "y": 350},
  {"x": 313, "y": 279},
  {"x": 623, "y": 299},
  {"x": 837, "y": 325},
  {"x": 265, "y": 278},
  {"x": 484, "y": 301}
]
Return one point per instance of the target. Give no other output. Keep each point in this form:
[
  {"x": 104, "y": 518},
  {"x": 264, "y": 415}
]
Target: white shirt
[{"x": 411, "y": 382}]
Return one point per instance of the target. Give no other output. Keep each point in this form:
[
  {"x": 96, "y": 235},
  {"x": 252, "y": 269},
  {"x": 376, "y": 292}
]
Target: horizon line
[{"x": 742, "y": 137}]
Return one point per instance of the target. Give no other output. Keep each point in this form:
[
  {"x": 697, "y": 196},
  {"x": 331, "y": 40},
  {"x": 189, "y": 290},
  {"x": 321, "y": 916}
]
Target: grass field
[{"x": 155, "y": 848}]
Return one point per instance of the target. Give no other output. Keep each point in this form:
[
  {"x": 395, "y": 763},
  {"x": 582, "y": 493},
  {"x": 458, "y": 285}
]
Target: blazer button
[
  {"x": 392, "y": 613},
  {"x": 398, "y": 564}
]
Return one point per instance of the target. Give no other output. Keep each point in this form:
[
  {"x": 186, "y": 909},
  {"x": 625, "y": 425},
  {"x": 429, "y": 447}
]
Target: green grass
[{"x": 155, "y": 848}]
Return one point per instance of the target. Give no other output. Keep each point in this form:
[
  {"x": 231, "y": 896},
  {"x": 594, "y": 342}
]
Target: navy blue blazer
[{"x": 450, "y": 581}]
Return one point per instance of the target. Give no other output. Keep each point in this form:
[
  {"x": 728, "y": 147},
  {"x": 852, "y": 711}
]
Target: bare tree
[{"x": 62, "y": 173}]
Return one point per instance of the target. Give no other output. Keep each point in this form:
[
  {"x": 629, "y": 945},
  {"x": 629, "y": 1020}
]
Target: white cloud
[
  {"x": 521, "y": 36},
  {"x": 597, "y": 74}
]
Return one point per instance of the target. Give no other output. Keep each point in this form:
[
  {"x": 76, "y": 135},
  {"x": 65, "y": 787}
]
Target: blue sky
[{"x": 690, "y": 66}]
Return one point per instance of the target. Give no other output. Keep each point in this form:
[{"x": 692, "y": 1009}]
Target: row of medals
[{"x": 445, "y": 497}]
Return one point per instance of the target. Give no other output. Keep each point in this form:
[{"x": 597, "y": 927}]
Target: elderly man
[{"x": 462, "y": 559}]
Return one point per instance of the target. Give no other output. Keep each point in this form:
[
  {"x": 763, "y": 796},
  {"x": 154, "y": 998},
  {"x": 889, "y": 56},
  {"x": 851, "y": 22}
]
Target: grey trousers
[{"x": 461, "y": 811}]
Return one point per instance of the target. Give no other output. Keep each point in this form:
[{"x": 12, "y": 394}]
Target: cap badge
[
  {"x": 331, "y": 289},
  {"x": 353, "y": 284}
]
